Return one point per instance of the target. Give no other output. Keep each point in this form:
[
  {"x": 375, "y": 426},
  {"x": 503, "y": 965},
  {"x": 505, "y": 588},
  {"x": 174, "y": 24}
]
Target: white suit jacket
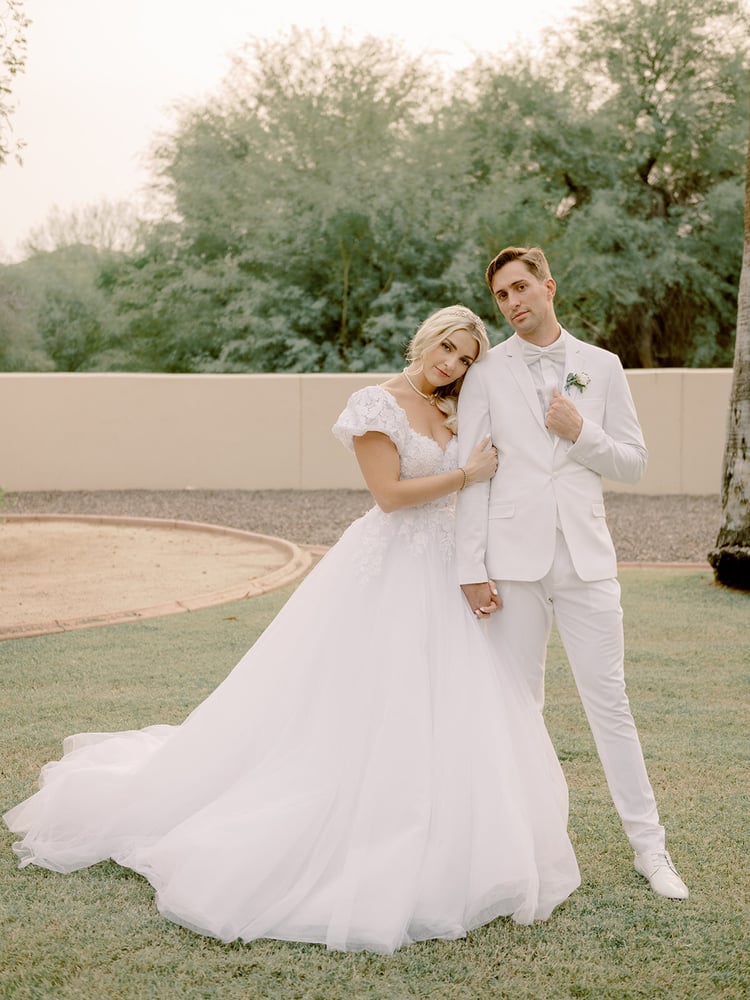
[{"x": 505, "y": 529}]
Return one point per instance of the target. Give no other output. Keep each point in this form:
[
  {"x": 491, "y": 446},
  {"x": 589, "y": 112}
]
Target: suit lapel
[
  {"x": 572, "y": 356},
  {"x": 572, "y": 364},
  {"x": 520, "y": 372}
]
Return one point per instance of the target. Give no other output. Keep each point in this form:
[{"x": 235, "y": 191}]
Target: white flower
[{"x": 579, "y": 379}]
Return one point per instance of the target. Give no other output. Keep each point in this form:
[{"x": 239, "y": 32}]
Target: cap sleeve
[{"x": 370, "y": 409}]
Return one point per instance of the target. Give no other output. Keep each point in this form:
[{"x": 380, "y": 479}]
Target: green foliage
[
  {"x": 673, "y": 100},
  {"x": 21, "y": 346},
  {"x": 66, "y": 312},
  {"x": 335, "y": 193},
  {"x": 625, "y": 162},
  {"x": 13, "y": 27},
  {"x": 302, "y": 199}
]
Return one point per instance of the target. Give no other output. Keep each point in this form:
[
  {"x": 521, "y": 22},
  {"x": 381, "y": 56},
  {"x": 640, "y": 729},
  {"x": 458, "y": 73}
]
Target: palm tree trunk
[{"x": 731, "y": 557}]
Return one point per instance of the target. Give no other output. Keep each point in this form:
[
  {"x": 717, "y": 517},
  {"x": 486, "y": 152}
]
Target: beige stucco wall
[{"x": 138, "y": 431}]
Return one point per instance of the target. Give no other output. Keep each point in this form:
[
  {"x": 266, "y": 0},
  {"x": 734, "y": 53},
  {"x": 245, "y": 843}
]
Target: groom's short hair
[{"x": 532, "y": 257}]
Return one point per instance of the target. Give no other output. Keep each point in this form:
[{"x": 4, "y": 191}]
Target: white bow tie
[{"x": 555, "y": 352}]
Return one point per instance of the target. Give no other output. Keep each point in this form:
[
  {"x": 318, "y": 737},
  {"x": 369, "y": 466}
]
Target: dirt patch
[{"x": 60, "y": 572}]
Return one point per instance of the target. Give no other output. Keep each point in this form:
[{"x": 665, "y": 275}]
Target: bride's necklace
[{"x": 429, "y": 396}]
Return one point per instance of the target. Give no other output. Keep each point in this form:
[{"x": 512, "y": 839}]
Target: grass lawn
[{"x": 96, "y": 934}]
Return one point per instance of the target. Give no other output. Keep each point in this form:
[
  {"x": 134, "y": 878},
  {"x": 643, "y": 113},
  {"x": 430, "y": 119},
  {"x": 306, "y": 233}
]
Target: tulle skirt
[{"x": 367, "y": 776}]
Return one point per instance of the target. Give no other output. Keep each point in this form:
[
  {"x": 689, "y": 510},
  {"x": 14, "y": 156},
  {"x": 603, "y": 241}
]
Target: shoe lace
[{"x": 663, "y": 859}]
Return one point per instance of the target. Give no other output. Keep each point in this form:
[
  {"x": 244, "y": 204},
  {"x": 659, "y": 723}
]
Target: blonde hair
[{"x": 441, "y": 324}]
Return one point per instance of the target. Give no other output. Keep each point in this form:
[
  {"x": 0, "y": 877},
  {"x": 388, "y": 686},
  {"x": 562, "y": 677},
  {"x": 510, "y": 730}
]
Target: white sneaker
[{"x": 658, "y": 868}]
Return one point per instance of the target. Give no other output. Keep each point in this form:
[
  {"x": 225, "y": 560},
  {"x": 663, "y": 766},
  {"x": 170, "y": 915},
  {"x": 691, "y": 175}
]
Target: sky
[{"x": 102, "y": 77}]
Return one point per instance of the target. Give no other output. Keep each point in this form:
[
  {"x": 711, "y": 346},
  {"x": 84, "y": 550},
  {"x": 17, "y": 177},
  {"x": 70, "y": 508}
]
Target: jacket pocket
[
  {"x": 502, "y": 509},
  {"x": 597, "y": 509}
]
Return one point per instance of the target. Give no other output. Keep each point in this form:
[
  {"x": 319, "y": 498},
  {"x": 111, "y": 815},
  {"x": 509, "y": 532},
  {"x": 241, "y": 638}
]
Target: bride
[{"x": 365, "y": 777}]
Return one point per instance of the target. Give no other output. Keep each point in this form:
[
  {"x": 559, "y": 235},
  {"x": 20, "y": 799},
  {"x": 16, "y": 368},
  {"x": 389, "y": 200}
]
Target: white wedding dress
[{"x": 367, "y": 775}]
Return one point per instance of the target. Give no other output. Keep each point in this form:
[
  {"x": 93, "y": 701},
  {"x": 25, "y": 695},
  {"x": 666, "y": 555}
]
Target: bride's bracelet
[{"x": 466, "y": 478}]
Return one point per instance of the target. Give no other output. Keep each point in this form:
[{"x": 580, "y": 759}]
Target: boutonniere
[{"x": 579, "y": 379}]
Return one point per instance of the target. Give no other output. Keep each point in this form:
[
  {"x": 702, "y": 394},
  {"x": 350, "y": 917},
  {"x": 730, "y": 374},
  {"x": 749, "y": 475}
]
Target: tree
[
  {"x": 13, "y": 26},
  {"x": 107, "y": 226},
  {"x": 21, "y": 345},
  {"x": 66, "y": 310},
  {"x": 332, "y": 194},
  {"x": 667, "y": 79},
  {"x": 731, "y": 557},
  {"x": 313, "y": 181},
  {"x": 621, "y": 153}
]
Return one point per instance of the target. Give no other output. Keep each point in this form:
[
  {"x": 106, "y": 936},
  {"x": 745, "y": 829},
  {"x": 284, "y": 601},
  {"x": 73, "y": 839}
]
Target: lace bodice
[{"x": 375, "y": 409}]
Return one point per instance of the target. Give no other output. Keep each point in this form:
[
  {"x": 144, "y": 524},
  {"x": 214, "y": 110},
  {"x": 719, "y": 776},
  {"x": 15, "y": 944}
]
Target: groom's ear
[{"x": 551, "y": 285}]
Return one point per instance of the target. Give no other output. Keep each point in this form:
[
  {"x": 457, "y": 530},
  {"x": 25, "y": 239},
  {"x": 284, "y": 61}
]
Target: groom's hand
[
  {"x": 483, "y": 598},
  {"x": 563, "y": 418}
]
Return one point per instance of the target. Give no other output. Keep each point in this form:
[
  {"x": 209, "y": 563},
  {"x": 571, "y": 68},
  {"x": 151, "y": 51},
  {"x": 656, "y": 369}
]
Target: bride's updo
[{"x": 437, "y": 327}]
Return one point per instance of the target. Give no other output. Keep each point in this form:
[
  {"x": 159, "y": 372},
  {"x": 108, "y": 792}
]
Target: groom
[{"x": 533, "y": 543}]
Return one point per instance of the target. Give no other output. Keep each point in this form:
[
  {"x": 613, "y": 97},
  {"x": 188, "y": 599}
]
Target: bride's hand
[{"x": 481, "y": 463}]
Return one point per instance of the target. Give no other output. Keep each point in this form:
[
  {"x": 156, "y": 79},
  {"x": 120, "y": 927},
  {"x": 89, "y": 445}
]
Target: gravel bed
[{"x": 645, "y": 528}]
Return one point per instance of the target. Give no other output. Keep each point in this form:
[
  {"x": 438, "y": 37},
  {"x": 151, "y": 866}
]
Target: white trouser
[{"x": 589, "y": 620}]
